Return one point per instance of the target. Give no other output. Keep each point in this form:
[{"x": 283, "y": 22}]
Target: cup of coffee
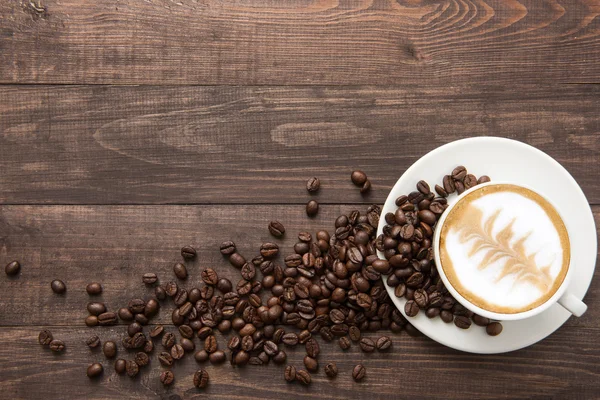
[{"x": 503, "y": 252}]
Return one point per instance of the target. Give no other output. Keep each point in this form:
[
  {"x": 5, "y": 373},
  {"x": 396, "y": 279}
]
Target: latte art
[{"x": 504, "y": 248}]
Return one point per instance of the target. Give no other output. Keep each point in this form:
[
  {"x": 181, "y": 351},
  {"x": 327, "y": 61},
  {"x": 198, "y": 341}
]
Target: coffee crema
[{"x": 504, "y": 248}]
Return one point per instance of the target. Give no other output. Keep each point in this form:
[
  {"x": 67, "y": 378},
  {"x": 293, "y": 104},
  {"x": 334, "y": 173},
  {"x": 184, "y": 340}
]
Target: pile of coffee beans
[
  {"x": 328, "y": 289},
  {"x": 406, "y": 243}
]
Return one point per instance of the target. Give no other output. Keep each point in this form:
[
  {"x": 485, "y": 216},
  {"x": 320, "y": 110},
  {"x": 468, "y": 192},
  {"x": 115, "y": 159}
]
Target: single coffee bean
[
  {"x": 58, "y": 286},
  {"x": 177, "y": 351},
  {"x": 107, "y": 318},
  {"x": 94, "y": 370},
  {"x": 180, "y": 271},
  {"x": 312, "y": 208},
  {"x": 149, "y": 278},
  {"x": 423, "y": 187},
  {"x": 354, "y": 333},
  {"x": 432, "y": 312},
  {"x": 270, "y": 348},
  {"x": 331, "y": 370},
  {"x": 367, "y": 345},
  {"x": 209, "y": 276},
  {"x": 91, "y": 320},
  {"x": 131, "y": 368},
  {"x": 134, "y": 328},
  {"x": 151, "y": 308},
  {"x": 313, "y": 185},
  {"x": 136, "y": 306},
  {"x": 237, "y": 260},
  {"x": 460, "y": 187},
  {"x": 280, "y": 357},
  {"x": 421, "y": 298},
  {"x": 217, "y": 357},
  {"x": 312, "y": 348},
  {"x": 137, "y": 341},
  {"x": 57, "y": 346},
  {"x": 12, "y": 268},
  {"x": 45, "y": 337},
  {"x": 241, "y": 358},
  {"x": 311, "y": 364},
  {"x": 149, "y": 346},
  {"x": 344, "y": 343},
  {"x": 165, "y": 359},
  {"x": 483, "y": 179},
  {"x": 142, "y": 359},
  {"x": 168, "y": 340},
  {"x": 123, "y": 312},
  {"x": 462, "y": 321},
  {"x": 269, "y": 250},
  {"x": 449, "y": 184},
  {"x": 383, "y": 343},
  {"x": 160, "y": 293},
  {"x": 303, "y": 377},
  {"x": 93, "y": 288},
  {"x": 276, "y": 228},
  {"x": 227, "y": 248},
  {"x": 210, "y": 344},
  {"x": 359, "y": 372},
  {"x": 470, "y": 181},
  {"x": 205, "y": 332},
  {"x": 187, "y": 345},
  {"x": 188, "y": 252},
  {"x": 224, "y": 285},
  {"x": 201, "y": 379},
  {"x": 358, "y": 178},
  {"x": 120, "y": 366},
  {"x": 441, "y": 191},
  {"x": 459, "y": 173},
  {"x": 411, "y": 308},
  {"x": 167, "y": 378},
  {"x": 156, "y": 331},
  {"x": 201, "y": 356},
  {"x": 481, "y": 321},
  {"x": 96, "y": 308},
  {"x": 289, "y": 374},
  {"x": 290, "y": 339},
  {"x": 93, "y": 341},
  {"x": 171, "y": 289},
  {"x": 109, "y": 349},
  {"x": 494, "y": 329}
]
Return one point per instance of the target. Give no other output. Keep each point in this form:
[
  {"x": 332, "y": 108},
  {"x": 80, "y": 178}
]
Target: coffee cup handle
[{"x": 572, "y": 304}]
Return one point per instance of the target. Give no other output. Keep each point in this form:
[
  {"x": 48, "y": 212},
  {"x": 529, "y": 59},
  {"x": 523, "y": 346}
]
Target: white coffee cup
[{"x": 567, "y": 300}]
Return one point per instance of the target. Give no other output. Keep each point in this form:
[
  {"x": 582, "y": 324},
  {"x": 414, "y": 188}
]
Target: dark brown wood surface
[{"x": 129, "y": 128}]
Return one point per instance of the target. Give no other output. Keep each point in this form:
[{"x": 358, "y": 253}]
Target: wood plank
[
  {"x": 115, "y": 245},
  {"x": 565, "y": 365},
  {"x": 154, "y": 145},
  {"x": 299, "y": 42}
]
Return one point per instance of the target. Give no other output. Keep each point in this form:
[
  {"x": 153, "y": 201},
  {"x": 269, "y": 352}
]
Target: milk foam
[{"x": 491, "y": 282}]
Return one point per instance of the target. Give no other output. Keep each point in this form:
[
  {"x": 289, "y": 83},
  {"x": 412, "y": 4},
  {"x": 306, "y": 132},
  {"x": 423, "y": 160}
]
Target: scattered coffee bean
[
  {"x": 201, "y": 379},
  {"x": 359, "y": 372},
  {"x": 277, "y": 229},
  {"x": 217, "y": 357},
  {"x": 462, "y": 321},
  {"x": 141, "y": 359},
  {"x": 289, "y": 374},
  {"x": 123, "y": 313},
  {"x": 483, "y": 179},
  {"x": 312, "y": 348},
  {"x": 411, "y": 308},
  {"x": 188, "y": 252},
  {"x": 312, "y": 208},
  {"x": 344, "y": 343},
  {"x": 366, "y": 187},
  {"x": 227, "y": 248},
  {"x": 45, "y": 337},
  {"x": 180, "y": 271},
  {"x": 131, "y": 368},
  {"x": 93, "y": 288},
  {"x": 149, "y": 278},
  {"x": 120, "y": 366},
  {"x": 91, "y": 320},
  {"x": 331, "y": 370},
  {"x": 313, "y": 185},
  {"x": 93, "y": 341},
  {"x": 165, "y": 359},
  {"x": 383, "y": 343},
  {"x": 168, "y": 340},
  {"x": 367, "y": 345},
  {"x": 358, "y": 178},
  {"x": 187, "y": 345},
  {"x": 311, "y": 364},
  {"x": 12, "y": 268},
  {"x": 58, "y": 286},
  {"x": 494, "y": 329},
  {"x": 280, "y": 357},
  {"x": 109, "y": 349},
  {"x": 209, "y": 276},
  {"x": 210, "y": 344},
  {"x": 94, "y": 370},
  {"x": 177, "y": 351},
  {"x": 57, "y": 346},
  {"x": 303, "y": 377},
  {"x": 167, "y": 378}
]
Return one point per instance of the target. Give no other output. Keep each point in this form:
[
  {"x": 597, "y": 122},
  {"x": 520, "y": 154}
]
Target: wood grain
[
  {"x": 299, "y": 42},
  {"x": 116, "y": 245},
  {"x": 565, "y": 365},
  {"x": 203, "y": 145}
]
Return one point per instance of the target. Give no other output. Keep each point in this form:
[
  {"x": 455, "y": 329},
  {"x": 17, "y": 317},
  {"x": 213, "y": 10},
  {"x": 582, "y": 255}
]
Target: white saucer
[{"x": 506, "y": 160}]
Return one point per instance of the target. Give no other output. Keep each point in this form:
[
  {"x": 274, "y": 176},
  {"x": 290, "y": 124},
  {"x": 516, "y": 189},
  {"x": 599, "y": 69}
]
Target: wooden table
[{"x": 129, "y": 128}]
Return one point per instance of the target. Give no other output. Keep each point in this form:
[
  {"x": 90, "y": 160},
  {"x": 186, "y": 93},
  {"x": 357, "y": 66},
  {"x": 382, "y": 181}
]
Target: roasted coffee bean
[
  {"x": 120, "y": 366},
  {"x": 480, "y": 321},
  {"x": 290, "y": 339},
  {"x": 248, "y": 271},
  {"x": 280, "y": 357},
  {"x": 149, "y": 346},
  {"x": 270, "y": 348},
  {"x": 331, "y": 370},
  {"x": 462, "y": 321},
  {"x": 136, "y": 306},
  {"x": 96, "y": 308},
  {"x": 12, "y": 268},
  {"x": 171, "y": 289},
  {"x": 358, "y": 178},
  {"x": 303, "y": 377},
  {"x": 383, "y": 343},
  {"x": 109, "y": 349},
  {"x": 201, "y": 356},
  {"x": 92, "y": 342},
  {"x": 149, "y": 278},
  {"x": 210, "y": 344},
  {"x": 134, "y": 328},
  {"x": 312, "y": 348},
  {"x": 141, "y": 359},
  {"x": 494, "y": 329},
  {"x": 432, "y": 312},
  {"x": 57, "y": 346},
  {"x": 151, "y": 308},
  {"x": 138, "y": 340},
  {"x": 187, "y": 345},
  {"x": 411, "y": 308},
  {"x": 58, "y": 286},
  {"x": 177, "y": 351},
  {"x": 311, "y": 364},
  {"x": 367, "y": 345},
  {"x": 94, "y": 370},
  {"x": 131, "y": 368},
  {"x": 167, "y": 378},
  {"x": 168, "y": 340},
  {"x": 423, "y": 187},
  {"x": 483, "y": 179},
  {"x": 421, "y": 298},
  {"x": 204, "y": 332},
  {"x": 344, "y": 343},
  {"x": 460, "y": 187},
  {"x": 224, "y": 285},
  {"x": 45, "y": 337},
  {"x": 93, "y": 288},
  {"x": 459, "y": 173},
  {"x": 107, "y": 318},
  {"x": 188, "y": 252},
  {"x": 237, "y": 260},
  {"x": 441, "y": 191},
  {"x": 227, "y": 248},
  {"x": 354, "y": 333},
  {"x": 209, "y": 276},
  {"x": 156, "y": 331},
  {"x": 247, "y": 343},
  {"x": 160, "y": 293},
  {"x": 449, "y": 184},
  {"x": 312, "y": 208},
  {"x": 289, "y": 374},
  {"x": 180, "y": 271},
  {"x": 313, "y": 184},
  {"x": 185, "y": 331},
  {"x": 326, "y": 334},
  {"x": 276, "y": 228},
  {"x": 207, "y": 292},
  {"x": 359, "y": 372},
  {"x": 470, "y": 181},
  {"x": 241, "y": 358}
]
